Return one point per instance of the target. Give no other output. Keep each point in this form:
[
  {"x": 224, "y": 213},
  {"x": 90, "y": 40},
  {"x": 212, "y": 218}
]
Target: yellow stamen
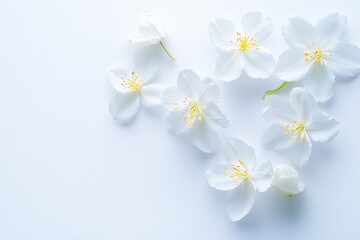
[
  {"x": 316, "y": 54},
  {"x": 237, "y": 170},
  {"x": 244, "y": 42},
  {"x": 193, "y": 114},
  {"x": 295, "y": 128},
  {"x": 133, "y": 82}
]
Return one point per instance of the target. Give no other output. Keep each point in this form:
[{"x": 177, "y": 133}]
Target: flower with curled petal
[
  {"x": 242, "y": 50},
  {"x": 240, "y": 174},
  {"x": 194, "y": 109},
  {"x": 295, "y": 123},
  {"x": 133, "y": 86},
  {"x": 287, "y": 180},
  {"x": 318, "y": 54}
]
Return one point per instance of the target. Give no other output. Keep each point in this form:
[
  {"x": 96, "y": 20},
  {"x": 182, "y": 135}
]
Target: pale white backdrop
[{"x": 69, "y": 171}]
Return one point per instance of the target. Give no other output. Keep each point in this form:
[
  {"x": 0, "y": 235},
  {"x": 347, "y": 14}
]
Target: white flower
[
  {"x": 151, "y": 31},
  {"x": 241, "y": 175},
  {"x": 296, "y": 122},
  {"x": 317, "y": 54},
  {"x": 287, "y": 180},
  {"x": 133, "y": 87},
  {"x": 242, "y": 50},
  {"x": 194, "y": 109}
]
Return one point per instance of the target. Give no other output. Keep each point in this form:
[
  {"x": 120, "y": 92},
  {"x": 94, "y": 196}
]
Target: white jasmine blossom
[
  {"x": 242, "y": 50},
  {"x": 240, "y": 174},
  {"x": 295, "y": 123},
  {"x": 318, "y": 54},
  {"x": 194, "y": 109},
  {"x": 134, "y": 87},
  {"x": 287, "y": 180},
  {"x": 151, "y": 31}
]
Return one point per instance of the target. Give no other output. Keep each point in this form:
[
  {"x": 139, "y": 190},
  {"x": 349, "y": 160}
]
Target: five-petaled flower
[
  {"x": 194, "y": 109},
  {"x": 133, "y": 86},
  {"x": 242, "y": 51},
  {"x": 317, "y": 54},
  {"x": 240, "y": 174},
  {"x": 286, "y": 180},
  {"x": 296, "y": 122},
  {"x": 151, "y": 31}
]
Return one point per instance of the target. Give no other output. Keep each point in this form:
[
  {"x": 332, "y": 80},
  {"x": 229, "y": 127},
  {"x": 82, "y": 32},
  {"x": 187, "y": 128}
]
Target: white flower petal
[
  {"x": 299, "y": 151},
  {"x": 298, "y": 32},
  {"x": 142, "y": 40},
  {"x": 171, "y": 97},
  {"x": 291, "y": 66},
  {"x": 218, "y": 179},
  {"x": 124, "y": 106},
  {"x": 175, "y": 121},
  {"x": 287, "y": 180},
  {"x": 151, "y": 26},
  {"x": 345, "y": 60},
  {"x": 190, "y": 84},
  {"x": 258, "y": 63},
  {"x": 239, "y": 150},
  {"x": 115, "y": 72},
  {"x": 275, "y": 137},
  {"x": 229, "y": 65},
  {"x": 240, "y": 200},
  {"x": 331, "y": 29},
  {"x": 257, "y": 25},
  {"x": 278, "y": 110},
  {"x": 262, "y": 175},
  {"x": 215, "y": 115},
  {"x": 322, "y": 127},
  {"x": 150, "y": 95},
  {"x": 221, "y": 32},
  {"x": 204, "y": 138},
  {"x": 211, "y": 92},
  {"x": 320, "y": 82},
  {"x": 304, "y": 103},
  {"x": 146, "y": 69}
]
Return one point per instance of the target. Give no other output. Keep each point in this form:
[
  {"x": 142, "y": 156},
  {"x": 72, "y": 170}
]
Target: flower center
[
  {"x": 295, "y": 129},
  {"x": 133, "y": 82},
  {"x": 238, "y": 170},
  {"x": 244, "y": 42},
  {"x": 315, "y": 54},
  {"x": 194, "y": 113}
]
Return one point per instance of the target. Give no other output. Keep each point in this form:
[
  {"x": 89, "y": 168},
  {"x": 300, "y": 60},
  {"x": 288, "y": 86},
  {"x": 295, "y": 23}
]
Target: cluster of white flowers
[{"x": 317, "y": 56}]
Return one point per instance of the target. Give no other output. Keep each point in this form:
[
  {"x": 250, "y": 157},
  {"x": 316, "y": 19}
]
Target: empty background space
[{"x": 69, "y": 171}]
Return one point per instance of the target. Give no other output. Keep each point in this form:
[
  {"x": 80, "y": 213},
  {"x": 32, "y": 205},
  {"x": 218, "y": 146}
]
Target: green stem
[
  {"x": 270, "y": 92},
  {"x": 167, "y": 52}
]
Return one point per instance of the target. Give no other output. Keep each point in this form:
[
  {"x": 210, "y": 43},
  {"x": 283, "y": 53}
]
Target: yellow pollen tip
[{"x": 237, "y": 170}]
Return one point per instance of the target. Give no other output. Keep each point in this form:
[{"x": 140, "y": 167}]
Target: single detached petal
[
  {"x": 229, "y": 65},
  {"x": 258, "y": 63},
  {"x": 320, "y": 82},
  {"x": 275, "y": 137},
  {"x": 331, "y": 29},
  {"x": 190, "y": 84},
  {"x": 175, "y": 121},
  {"x": 239, "y": 150},
  {"x": 218, "y": 179},
  {"x": 292, "y": 66},
  {"x": 204, "y": 138},
  {"x": 150, "y": 95},
  {"x": 124, "y": 106},
  {"x": 287, "y": 180},
  {"x": 345, "y": 60},
  {"x": 172, "y": 98},
  {"x": 299, "y": 150},
  {"x": 215, "y": 115},
  {"x": 257, "y": 25},
  {"x": 222, "y": 32},
  {"x": 116, "y": 73},
  {"x": 322, "y": 127},
  {"x": 240, "y": 200},
  {"x": 298, "y": 32},
  {"x": 278, "y": 110},
  {"x": 303, "y": 103},
  {"x": 262, "y": 175},
  {"x": 211, "y": 92}
]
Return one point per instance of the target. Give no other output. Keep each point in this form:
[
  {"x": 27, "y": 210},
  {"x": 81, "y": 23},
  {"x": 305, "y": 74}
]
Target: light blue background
[{"x": 69, "y": 171}]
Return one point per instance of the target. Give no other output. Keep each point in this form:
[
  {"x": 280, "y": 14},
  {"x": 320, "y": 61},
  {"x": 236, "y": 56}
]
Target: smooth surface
[{"x": 69, "y": 171}]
